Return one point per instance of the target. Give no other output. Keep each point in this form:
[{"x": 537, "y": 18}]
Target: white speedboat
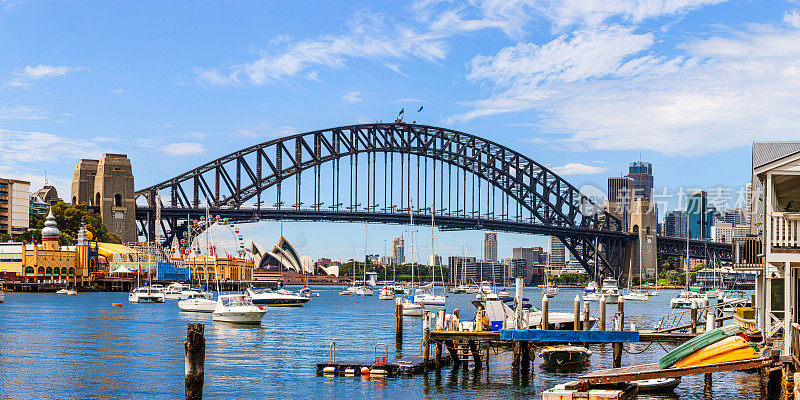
[
  {"x": 550, "y": 291},
  {"x": 386, "y": 293},
  {"x": 610, "y": 290},
  {"x": 635, "y": 295},
  {"x": 197, "y": 304},
  {"x": 344, "y": 292},
  {"x": 238, "y": 309},
  {"x": 282, "y": 298},
  {"x": 503, "y": 293},
  {"x": 174, "y": 290},
  {"x": 458, "y": 289},
  {"x": 72, "y": 292},
  {"x": 653, "y": 293},
  {"x": 146, "y": 294},
  {"x": 194, "y": 293},
  {"x": 398, "y": 289},
  {"x": 62, "y": 291},
  {"x": 363, "y": 291}
]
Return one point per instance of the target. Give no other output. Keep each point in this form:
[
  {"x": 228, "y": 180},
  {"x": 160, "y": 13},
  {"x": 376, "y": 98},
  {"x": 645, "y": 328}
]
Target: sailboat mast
[{"x": 411, "y": 216}]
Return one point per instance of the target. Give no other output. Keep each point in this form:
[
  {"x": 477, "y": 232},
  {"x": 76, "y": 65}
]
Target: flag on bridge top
[
  {"x": 402, "y": 111},
  {"x": 420, "y": 108}
]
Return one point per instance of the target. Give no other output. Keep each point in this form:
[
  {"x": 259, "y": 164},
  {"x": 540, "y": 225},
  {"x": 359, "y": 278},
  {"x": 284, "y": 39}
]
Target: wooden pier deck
[{"x": 407, "y": 366}]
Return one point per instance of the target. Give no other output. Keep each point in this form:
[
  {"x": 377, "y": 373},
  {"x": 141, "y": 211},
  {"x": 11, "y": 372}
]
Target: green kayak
[{"x": 698, "y": 343}]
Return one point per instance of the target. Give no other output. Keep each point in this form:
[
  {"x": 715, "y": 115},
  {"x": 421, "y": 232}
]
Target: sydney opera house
[{"x": 284, "y": 256}]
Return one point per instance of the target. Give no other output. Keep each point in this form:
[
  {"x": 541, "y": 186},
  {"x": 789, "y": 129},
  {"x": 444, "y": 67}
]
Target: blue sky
[{"x": 582, "y": 87}]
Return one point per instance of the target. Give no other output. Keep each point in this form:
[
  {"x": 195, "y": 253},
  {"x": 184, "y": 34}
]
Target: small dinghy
[
  {"x": 565, "y": 356},
  {"x": 658, "y": 385}
]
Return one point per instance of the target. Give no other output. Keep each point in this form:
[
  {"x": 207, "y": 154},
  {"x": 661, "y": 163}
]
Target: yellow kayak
[{"x": 733, "y": 348}]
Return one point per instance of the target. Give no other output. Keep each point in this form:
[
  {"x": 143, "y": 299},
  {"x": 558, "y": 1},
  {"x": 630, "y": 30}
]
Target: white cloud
[
  {"x": 20, "y": 112},
  {"x": 583, "y": 12},
  {"x": 604, "y": 90},
  {"x": 183, "y": 149},
  {"x": 22, "y": 77},
  {"x": 352, "y": 97},
  {"x": 22, "y": 147},
  {"x": 578, "y": 169},
  {"x": 118, "y": 91}
]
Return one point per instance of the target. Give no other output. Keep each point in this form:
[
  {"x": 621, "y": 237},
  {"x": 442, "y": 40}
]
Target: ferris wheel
[{"x": 214, "y": 238}]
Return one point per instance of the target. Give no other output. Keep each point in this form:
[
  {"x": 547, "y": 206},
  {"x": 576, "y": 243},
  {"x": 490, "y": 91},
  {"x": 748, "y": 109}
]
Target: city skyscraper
[
  {"x": 642, "y": 174},
  {"x": 557, "y": 253},
  {"x": 698, "y": 215},
  {"x": 620, "y": 198},
  {"x": 398, "y": 250},
  {"x": 675, "y": 224},
  {"x": 490, "y": 246}
]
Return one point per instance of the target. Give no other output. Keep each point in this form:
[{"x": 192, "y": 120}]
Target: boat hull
[
  {"x": 239, "y": 317},
  {"x": 658, "y": 385},
  {"x": 281, "y": 302},
  {"x": 565, "y": 356},
  {"x": 734, "y": 348},
  {"x": 197, "y": 305}
]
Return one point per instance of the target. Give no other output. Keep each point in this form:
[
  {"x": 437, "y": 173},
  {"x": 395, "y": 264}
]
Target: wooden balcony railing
[
  {"x": 784, "y": 233},
  {"x": 746, "y": 253}
]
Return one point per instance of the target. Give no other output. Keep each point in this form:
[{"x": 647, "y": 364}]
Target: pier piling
[
  {"x": 398, "y": 314},
  {"x": 619, "y": 326},
  {"x": 545, "y": 312},
  {"x": 195, "y": 349},
  {"x": 440, "y": 316},
  {"x": 693, "y": 314},
  {"x": 426, "y": 339},
  {"x": 576, "y": 313},
  {"x": 602, "y": 321},
  {"x": 586, "y": 325}
]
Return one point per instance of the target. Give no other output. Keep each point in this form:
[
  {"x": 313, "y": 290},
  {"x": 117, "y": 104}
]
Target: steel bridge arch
[{"x": 550, "y": 199}]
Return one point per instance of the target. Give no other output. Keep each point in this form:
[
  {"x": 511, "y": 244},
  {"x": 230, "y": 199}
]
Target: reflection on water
[{"x": 79, "y": 347}]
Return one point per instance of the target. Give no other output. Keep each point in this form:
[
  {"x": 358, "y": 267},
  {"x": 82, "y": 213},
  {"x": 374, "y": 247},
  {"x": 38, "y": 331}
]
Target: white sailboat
[
  {"x": 198, "y": 300},
  {"x": 427, "y": 295},
  {"x": 364, "y": 289},
  {"x": 148, "y": 293},
  {"x": 635, "y": 294},
  {"x": 411, "y": 308}
]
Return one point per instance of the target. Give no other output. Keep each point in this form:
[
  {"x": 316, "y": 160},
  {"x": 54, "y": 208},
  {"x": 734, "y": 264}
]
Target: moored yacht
[
  {"x": 386, "y": 293},
  {"x": 238, "y": 309},
  {"x": 174, "y": 290},
  {"x": 267, "y": 297},
  {"x": 363, "y": 291},
  {"x": 685, "y": 299},
  {"x": 197, "y": 304},
  {"x": 424, "y": 297},
  {"x": 146, "y": 294}
]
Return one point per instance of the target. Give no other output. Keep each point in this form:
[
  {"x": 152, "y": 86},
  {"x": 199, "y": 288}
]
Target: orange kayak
[
  {"x": 733, "y": 348},
  {"x": 117, "y": 304}
]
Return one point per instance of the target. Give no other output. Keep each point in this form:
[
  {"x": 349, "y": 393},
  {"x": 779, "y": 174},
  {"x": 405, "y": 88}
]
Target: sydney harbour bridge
[{"x": 387, "y": 172}]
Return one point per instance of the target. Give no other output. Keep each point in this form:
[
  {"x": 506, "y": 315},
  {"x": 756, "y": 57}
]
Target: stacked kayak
[{"x": 715, "y": 346}]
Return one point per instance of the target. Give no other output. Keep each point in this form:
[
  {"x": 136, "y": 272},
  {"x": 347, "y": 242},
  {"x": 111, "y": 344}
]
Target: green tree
[{"x": 69, "y": 218}]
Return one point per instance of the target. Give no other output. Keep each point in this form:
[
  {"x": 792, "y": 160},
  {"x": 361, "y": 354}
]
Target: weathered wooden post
[
  {"x": 517, "y": 345},
  {"x": 440, "y": 315},
  {"x": 711, "y": 320},
  {"x": 576, "y": 313},
  {"x": 703, "y": 311},
  {"x": 586, "y": 318},
  {"x": 398, "y": 316},
  {"x": 456, "y": 321},
  {"x": 545, "y": 312},
  {"x": 619, "y": 326},
  {"x": 693, "y": 315},
  {"x": 602, "y": 312},
  {"x": 195, "y": 349},
  {"x": 426, "y": 339}
]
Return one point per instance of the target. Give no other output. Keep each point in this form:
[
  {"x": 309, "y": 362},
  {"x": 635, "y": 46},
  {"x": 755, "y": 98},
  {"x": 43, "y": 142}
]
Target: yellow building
[
  {"x": 225, "y": 269},
  {"x": 48, "y": 261}
]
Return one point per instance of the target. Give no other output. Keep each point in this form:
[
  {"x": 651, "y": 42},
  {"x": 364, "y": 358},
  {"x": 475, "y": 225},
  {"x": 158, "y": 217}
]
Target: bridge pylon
[{"x": 642, "y": 252}]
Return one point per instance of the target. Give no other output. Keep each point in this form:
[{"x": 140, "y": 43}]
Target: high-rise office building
[
  {"x": 14, "y": 206},
  {"x": 642, "y": 174},
  {"x": 557, "y": 253},
  {"x": 620, "y": 198},
  {"x": 456, "y": 268},
  {"x": 698, "y": 215},
  {"x": 434, "y": 260},
  {"x": 675, "y": 224},
  {"x": 490, "y": 246},
  {"x": 398, "y": 250},
  {"x": 534, "y": 259}
]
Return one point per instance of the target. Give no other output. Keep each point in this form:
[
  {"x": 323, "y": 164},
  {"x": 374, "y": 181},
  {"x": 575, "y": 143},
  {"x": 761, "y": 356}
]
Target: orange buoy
[
  {"x": 364, "y": 371},
  {"x": 118, "y": 304}
]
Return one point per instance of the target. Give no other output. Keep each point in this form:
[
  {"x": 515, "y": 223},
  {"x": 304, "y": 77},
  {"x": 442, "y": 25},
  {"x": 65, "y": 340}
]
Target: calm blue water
[{"x": 80, "y": 347}]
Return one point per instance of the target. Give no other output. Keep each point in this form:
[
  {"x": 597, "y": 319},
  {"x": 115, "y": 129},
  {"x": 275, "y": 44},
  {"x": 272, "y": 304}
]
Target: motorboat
[
  {"x": 503, "y": 293},
  {"x": 458, "y": 289},
  {"x": 62, "y": 291},
  {"x": 685, "y": 299},
  {"x": 72, "y": 292},
  {"x": 146, "y": 294},
  {"x": 307, "y": 292},
  {"x": 658, "y": 384},
  {"x": 344, "y": 292},
  {"x": 411, "y": 309},
  {"x": 194, "y": 293},
  {"x": 267, "y": 297},
  {"x": 565, "y": 356},
  {"x": 610, "y": 290},
  {"x": 399, "y": 289},
  {"x": 174, "y": 290},
  {"x": 654, "y": 293},
  {"x": 425, "y": 297},
  {"x": 591, "y": 287},
  {"x": 635, "y": 295},
  {"x": 197, "y": 304},
  {"x": 363, "y": 291},
  {"x": 470, "y": 289},
  {"x": 2, "y": 295},
  {"x": 238, "y": 309},
  {"x": 386, "y": 293}
]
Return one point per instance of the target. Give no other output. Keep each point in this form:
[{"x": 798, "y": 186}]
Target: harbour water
[{"x": 80, "y": 347}]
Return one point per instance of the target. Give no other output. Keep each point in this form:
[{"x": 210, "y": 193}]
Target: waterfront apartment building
[
  {"x": 534, "y": 259},
  {"x": 642, "y": 174},
  {"x": 14, "y": 206},
  {"x": 455, "y": 267},
  {"x": 620, "y": 198},
  {"x": 490, "y": 246},
  {"x": 398, "y": 250}
]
